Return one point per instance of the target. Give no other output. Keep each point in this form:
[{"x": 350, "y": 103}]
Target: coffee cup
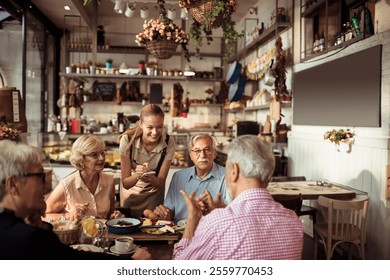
[{"x": 123, "y": 244}]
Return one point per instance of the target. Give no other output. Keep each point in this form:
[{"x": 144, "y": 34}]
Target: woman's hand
[
  {"x": 78, "y": 212},
  {"x": 117, "y": 214}
]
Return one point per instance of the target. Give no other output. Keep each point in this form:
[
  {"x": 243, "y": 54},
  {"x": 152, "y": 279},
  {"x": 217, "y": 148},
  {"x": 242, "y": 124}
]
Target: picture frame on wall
[{"x": 250, "y": 27}]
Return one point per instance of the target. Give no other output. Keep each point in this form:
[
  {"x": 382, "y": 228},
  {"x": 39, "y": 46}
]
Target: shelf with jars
[{"x": 327, "y": 25}]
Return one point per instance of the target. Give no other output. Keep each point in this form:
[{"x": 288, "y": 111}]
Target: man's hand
[
  {"x": 194, "y": 214},
  {"x": 207, "y": 203},
  {"x": 142, "y": 254},
  {"x": 163, "y": 212}
]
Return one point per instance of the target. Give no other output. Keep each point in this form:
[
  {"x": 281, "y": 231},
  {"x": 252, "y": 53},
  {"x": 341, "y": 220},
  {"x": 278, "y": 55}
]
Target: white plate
[
  {"x": 112, "y": 250},
  {"x": 87, "y": 248}
]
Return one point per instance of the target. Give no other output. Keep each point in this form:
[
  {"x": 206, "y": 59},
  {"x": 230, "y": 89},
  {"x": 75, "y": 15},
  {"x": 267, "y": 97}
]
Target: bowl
[{"x": 123, "y": 225}]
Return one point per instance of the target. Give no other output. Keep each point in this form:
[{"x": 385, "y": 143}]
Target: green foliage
[
  {"x": 198, "y": 31},
  {"x": 86, "y": 2},
  {"x": 339, "y": 135}
]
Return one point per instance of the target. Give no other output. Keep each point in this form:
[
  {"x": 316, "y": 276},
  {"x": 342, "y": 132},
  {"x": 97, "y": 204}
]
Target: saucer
[{"x": 131, "y": 251}]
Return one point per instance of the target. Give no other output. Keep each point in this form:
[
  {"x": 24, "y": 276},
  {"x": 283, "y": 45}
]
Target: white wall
[{"x": 364, "y": 168}]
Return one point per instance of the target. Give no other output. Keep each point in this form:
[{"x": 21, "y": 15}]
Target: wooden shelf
[
  {"x": 190, "y": 130},
  {"x": 135, "y": 77},
  {"x": 205, "y": 105},
  {"x": 266, "y": 36},
  {"x": 332, "y": 48},
  {"x": 113, "y": 49},
  {"x": 265, "y": 107},
  {"x": 114, "y": 102},
  {"x": 136, "y": 50},
  {"x": 311, "y": 10}
]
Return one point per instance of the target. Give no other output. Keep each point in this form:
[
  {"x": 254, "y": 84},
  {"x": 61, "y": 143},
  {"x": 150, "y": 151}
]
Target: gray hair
[
  {"x": 201, "y": 136},
  {"x": 15, "y": 159},
  {"x": 254, "y": 157},
  {"x": 85, "y": 145}
]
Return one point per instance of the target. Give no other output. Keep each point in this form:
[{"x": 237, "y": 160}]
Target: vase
[{"x": 343, "y": 147}]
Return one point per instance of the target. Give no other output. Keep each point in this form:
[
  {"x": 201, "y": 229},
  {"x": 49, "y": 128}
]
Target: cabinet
[{"x": 327, "y": 25}]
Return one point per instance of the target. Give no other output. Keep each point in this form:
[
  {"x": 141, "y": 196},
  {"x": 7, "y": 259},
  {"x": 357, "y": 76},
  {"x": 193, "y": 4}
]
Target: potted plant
[
  {"x": 7, "y": 131},
  {"x": 108, "y": 63},
  {"x": 161, "y": 36},
  {"x": 211, "y": 14},
  {"x": 342, "y": 138}
]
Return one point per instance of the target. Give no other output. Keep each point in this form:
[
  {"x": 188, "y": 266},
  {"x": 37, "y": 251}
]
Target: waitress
[{"x": 145, "y": 148}]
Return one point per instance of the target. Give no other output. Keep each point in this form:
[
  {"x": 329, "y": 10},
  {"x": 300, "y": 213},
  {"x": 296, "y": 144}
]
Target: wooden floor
[{"x": 308, "y": 251}]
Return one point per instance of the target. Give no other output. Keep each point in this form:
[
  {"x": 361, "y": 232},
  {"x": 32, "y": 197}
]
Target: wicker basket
[
  {"x": 68, "y": 237},
  {"x": 198, "y": 8},
  {"x": 162, "y": 49}
]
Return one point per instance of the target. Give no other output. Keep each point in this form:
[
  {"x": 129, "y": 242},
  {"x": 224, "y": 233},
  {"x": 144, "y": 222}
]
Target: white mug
[{"x": 123, "y": 244}]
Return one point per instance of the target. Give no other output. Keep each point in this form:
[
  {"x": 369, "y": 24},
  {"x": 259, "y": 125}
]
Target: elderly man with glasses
[{"x": 205, "y": 178}]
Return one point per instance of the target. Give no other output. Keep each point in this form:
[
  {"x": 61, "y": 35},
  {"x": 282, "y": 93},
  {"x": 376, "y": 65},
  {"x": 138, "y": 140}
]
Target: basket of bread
[{"x": 67, "y": 231}]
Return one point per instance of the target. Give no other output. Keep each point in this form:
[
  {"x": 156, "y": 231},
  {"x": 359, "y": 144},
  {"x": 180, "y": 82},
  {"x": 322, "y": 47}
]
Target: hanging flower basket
[
  {"x": 198, "y": 9},
  {"x": 162, "y": 49},
  {"x": 161, "y": 37}
]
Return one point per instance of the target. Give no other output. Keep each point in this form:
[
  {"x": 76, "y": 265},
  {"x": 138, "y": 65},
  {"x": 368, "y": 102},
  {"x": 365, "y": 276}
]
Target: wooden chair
[
  {"x": 305, "y": 209},
  {"x": 290, "y": 202},
  {"x": 346, "y": 222}
]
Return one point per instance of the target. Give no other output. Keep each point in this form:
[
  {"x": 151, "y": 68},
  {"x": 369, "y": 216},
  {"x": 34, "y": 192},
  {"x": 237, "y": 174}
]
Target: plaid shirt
[{"x": 253, "y": 227}]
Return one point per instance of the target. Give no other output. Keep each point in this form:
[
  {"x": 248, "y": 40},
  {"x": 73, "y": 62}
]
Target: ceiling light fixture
[
  {"x": 253, "y": 10},
  {"x": 67, "y": 8},
  {"x": 184, "y": 15},
  {"x": 171, "y": 13},
  {"x": 144, "y": 12},
  {"x": 119, "y": 7},
  {"x": 130, "y": 9}
]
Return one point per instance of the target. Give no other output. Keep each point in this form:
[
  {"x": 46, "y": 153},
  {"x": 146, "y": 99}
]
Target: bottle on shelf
[
  {"x": 321, "y": 43},
  {"x": 58, "y": 124},
  {"x": 355, "y": 24},
  {"x": 348, "y": 32},
  {"x": 316, "y": 43},
  {"x": 121, "y": 124},
  {"x": 368, "y": 24}
]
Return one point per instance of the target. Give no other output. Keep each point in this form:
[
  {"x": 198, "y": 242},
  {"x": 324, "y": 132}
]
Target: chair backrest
[
  {"x": 290, "y": 202},
  {"x": 346, "y": 218}
]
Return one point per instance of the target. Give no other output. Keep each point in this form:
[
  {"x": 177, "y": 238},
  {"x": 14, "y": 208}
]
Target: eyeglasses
[
  {"x": 41, "y": 175},
  {"x": 206, "y": 150},
  {"x": 96, "y": 155}
]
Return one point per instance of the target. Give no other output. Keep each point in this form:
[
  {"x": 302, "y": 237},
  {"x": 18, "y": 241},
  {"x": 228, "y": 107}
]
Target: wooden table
[
  {"x": 310, "y": 190},
  {"x": 160, "y": 246}
]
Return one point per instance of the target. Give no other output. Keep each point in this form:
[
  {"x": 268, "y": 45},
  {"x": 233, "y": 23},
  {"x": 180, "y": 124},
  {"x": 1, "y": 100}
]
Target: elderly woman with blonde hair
[{"x": 88, "y": 191}]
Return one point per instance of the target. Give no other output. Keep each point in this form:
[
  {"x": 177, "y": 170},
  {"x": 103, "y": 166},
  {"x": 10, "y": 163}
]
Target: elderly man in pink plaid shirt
[{"x": 253, "y": 226}]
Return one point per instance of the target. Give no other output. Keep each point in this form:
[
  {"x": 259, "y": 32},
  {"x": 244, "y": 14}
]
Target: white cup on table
[{"x": 123, "y": 244}]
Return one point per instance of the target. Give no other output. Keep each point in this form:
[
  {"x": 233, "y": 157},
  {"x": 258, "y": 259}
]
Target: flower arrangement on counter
[
  {"x": 163, "y": 28},
  {"x": 339, "y": 136},
  {"x": 7, "y": 132}
]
